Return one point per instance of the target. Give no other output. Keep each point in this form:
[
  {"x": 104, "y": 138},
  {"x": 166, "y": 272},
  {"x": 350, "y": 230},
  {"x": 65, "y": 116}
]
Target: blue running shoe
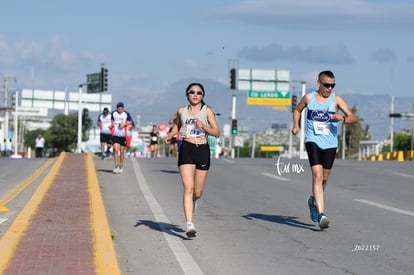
[
  {"x": 314, "y": 215},
  {"x": 323, "y": 221}
]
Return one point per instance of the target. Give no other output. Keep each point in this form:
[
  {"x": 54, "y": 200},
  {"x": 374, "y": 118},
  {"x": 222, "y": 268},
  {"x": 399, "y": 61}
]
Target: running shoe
[
  {"x": 314, "y": 215},
  {"x": 191, "y": 230},
  {"x": 120, "y": 170},
  {"x": 116, "y": 170},
  {"x": 323, "y": 221},
  {"x": 103, "y": 157}
]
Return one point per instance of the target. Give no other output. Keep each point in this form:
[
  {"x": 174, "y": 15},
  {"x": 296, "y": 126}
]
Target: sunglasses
[
  {"x": 328, "y": 85},
  {"x": 191, "y": 92}
]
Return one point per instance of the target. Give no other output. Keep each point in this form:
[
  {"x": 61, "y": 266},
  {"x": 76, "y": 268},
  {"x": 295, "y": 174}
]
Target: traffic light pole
[
  {"x": 233, "y": 116},
  {"x": 302, "y": 152}
]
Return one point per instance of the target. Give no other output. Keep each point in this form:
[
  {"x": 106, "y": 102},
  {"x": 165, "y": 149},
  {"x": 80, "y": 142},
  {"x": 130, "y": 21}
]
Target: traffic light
[
  {"x": 234, "y": 126},
  {"x": 294, "y": 102},
  {"x": 233, "y": 79},
  {"x": 85, "y": 115},
  {"x": 104, "y": 79},
  {"x": 14, "y": 100}
]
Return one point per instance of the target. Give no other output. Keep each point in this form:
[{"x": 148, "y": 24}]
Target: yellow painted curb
[
  {"x": 105, "y": 256},
  {"x": 388, "y": 156},
  {"x": 12, "y": 236},
  {"x": 4, "y": 209},
  {"x": 400, "y": 156},
  {"x": 380, "y": 157}
]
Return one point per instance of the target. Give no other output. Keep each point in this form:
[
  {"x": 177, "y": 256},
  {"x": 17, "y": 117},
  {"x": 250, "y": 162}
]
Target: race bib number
[
  {"x": 154, "y": 138},
  {"x": 194, "y": 131},
  {"x": 321, "y": 128}
]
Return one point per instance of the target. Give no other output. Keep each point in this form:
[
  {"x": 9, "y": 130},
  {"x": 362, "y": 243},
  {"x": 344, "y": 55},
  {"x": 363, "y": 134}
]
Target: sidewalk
[{"x": 55, "y": 233}]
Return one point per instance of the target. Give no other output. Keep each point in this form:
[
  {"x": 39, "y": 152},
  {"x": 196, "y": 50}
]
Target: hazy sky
[{"x": 147, "y": 45}]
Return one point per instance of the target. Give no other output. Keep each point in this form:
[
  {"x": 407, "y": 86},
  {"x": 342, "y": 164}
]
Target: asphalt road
[{"x": 253, "y": 218}]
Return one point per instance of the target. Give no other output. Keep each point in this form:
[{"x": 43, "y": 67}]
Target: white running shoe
[
  {"x": 116, "y": 170},
  {"x": 191, "y": 230},
  {"x": 120, "y": 170},
  {"x": 323, "y": 221}
]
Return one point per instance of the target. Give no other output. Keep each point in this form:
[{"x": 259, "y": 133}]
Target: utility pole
[
  {"x": 16, "y": 126},
  {"x": 79, "y": 149},
  {"x": 6, "y": 80}
]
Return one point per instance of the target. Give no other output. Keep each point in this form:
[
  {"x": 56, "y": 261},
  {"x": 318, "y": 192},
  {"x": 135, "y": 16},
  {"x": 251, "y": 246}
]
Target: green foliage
[
  {"x": 62, "y": 133},
  {"x": 402, "y": 142}
]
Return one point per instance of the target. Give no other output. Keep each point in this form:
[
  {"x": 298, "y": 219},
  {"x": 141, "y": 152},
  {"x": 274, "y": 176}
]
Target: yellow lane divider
[
  {"x": 16, "y": 191},
  {"x": 105, "y": 256},
  {"x": 12, "y": 236}
]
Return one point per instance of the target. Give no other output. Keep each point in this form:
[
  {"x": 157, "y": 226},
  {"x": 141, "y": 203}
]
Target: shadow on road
[
  {"x": 287, "y": 220},
  {"x": 170, "y": 171},
  {"x": 168, "y": 228},
  {"x": 105, "y": 170}
]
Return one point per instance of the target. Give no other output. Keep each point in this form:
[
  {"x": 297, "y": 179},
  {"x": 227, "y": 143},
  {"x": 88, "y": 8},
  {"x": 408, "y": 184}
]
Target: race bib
[
  {"x": 194, "y": 131},
  {"x": 321, "y": 128}
]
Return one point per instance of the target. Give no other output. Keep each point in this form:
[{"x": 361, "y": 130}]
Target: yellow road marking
[
  {"x": 16, "y": 191},
  {"x": 105, "y": 256}
]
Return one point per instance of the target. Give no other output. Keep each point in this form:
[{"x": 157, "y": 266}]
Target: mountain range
[{"x": 373, "y": 110}]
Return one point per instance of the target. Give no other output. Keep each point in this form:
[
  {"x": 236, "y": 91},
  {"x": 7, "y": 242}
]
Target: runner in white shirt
[
  {"x": 120, "y": 119},
  {"x": 105, "y": 125}
]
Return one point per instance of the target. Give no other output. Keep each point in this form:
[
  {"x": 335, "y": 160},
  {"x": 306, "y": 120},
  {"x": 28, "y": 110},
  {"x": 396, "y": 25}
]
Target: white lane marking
[
  {"x": 276, "y": 177},
  {"x": 403, "y": 175},
  {"x": 184, "y": 258},
  {"x": 2, "y": 220},
  {"x": 386, "y": 207}
]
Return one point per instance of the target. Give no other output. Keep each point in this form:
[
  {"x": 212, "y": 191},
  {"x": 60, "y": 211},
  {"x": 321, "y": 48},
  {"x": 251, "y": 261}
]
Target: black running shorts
[
  {"x": 318, "y": 156},
  {"x": 107, "y": 138},
  {"x": 120, "y": 140},
  {"x": 198, "y": 154}
]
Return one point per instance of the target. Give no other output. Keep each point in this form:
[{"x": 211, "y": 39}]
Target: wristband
[{"x": 344, "y": 119}]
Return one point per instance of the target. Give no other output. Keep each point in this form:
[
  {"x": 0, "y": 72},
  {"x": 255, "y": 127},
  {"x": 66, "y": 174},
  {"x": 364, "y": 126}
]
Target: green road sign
[{"x": 267, "y": 94}]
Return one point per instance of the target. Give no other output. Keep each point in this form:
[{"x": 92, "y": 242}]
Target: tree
[
  {"x": 63, "y": 132},
  {"x": 402, "y": 142}
]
